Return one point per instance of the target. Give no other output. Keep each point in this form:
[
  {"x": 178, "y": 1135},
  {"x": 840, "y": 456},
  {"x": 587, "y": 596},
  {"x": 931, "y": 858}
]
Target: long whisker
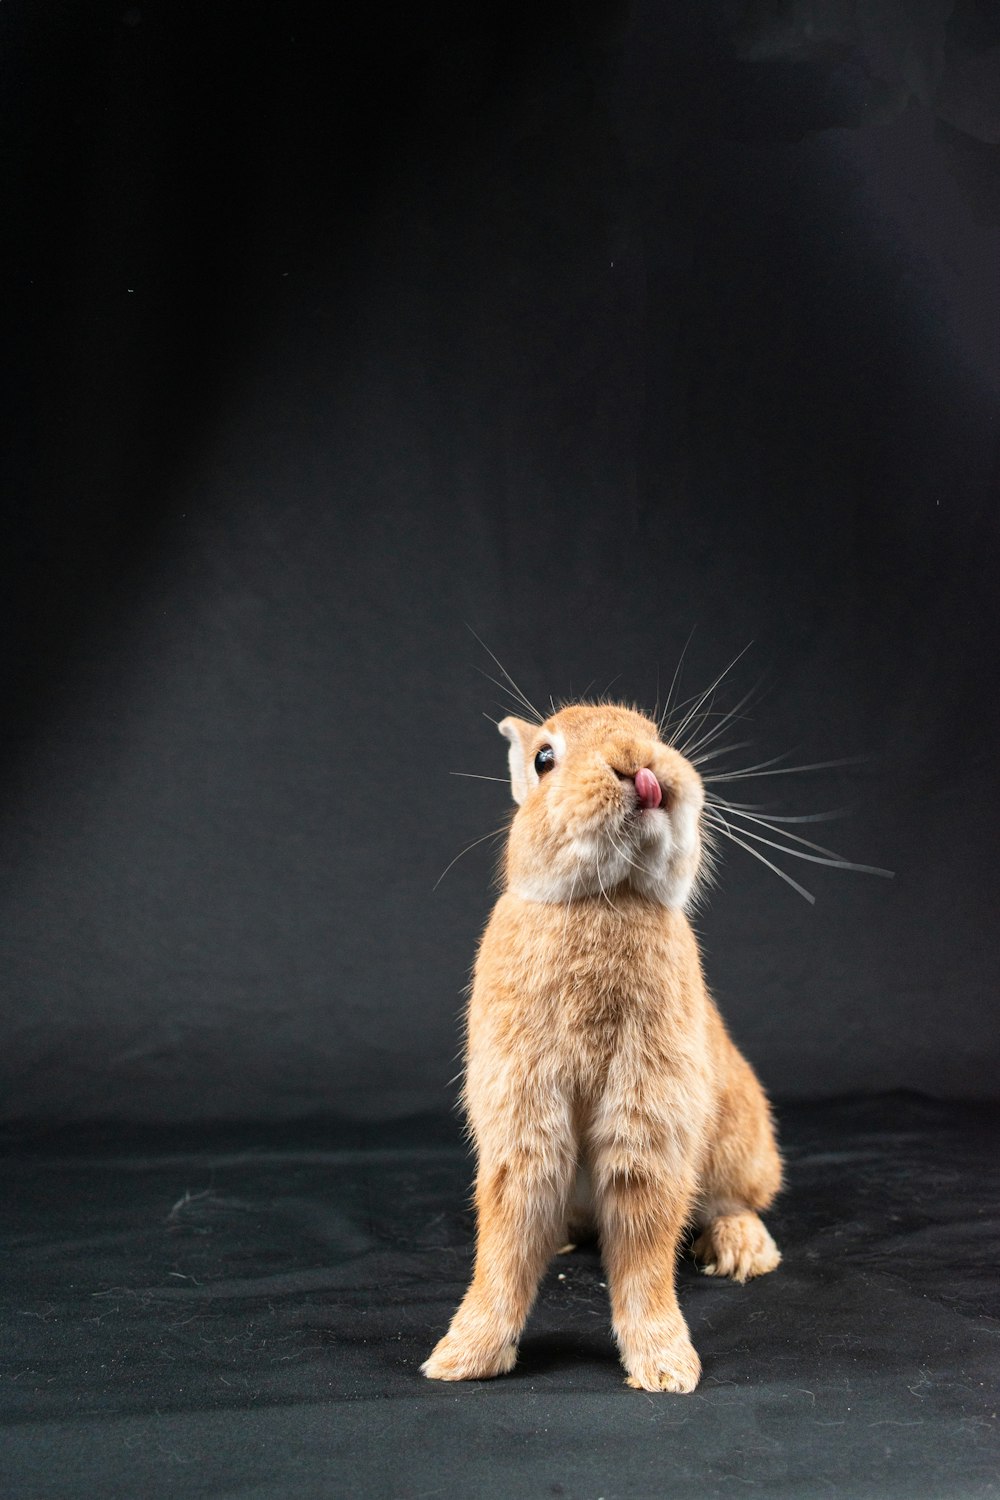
[
  {"x": 745, "y": 770},
  {"x": 497, "y": 832},
  {"x": 724, "y": 828},
  {"x": 522, "y": 704},
  {"x": 707, "y": 694},
  {"x": 474, "y": 776},
  {"x": 745, "y": 807},
  {"x": 728, "y": 718},
  {"x": 834, "y": 861},
  {"x": 798, "y": 839},
  {"x": 674, "y": 682},
  {"x": 819, "y": 765},
  {"x": 751, "y": 817},
  {"x": 701, "y": 760},
  {"x": 522, "y": 698},
  {"x": 695, "y": 709}
]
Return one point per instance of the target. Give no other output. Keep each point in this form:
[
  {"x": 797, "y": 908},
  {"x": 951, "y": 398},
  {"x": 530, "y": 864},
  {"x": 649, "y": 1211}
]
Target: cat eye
[{"x": 545, "y": 760}]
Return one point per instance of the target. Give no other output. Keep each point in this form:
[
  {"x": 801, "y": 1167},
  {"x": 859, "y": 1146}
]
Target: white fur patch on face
[
  {"x": 681, "y": 866},
  {"x": 655, "y": 852},
  {"x": 585, "y": 865}
]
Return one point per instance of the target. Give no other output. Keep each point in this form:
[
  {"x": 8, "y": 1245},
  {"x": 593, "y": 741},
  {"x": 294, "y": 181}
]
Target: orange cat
[{"x": 601, "y": 1084}]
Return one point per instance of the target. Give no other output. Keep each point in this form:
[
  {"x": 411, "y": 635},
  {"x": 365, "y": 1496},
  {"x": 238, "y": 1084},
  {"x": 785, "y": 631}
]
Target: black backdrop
[{"x": 582, "y": 326}]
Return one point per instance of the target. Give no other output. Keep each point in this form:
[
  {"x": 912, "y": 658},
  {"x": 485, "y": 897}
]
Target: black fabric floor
[{"x": 243, "y": 1312}]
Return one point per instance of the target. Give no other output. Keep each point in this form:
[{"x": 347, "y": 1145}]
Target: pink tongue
[{"x": 648, "y": 788}]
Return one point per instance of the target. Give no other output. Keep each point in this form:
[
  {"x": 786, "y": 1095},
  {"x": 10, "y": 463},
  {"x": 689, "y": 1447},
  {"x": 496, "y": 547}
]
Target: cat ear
[{"x": 519, "y": 733}]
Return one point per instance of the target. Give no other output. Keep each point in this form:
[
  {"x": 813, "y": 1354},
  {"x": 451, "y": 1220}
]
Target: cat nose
[{"x": 648, "y": 789}]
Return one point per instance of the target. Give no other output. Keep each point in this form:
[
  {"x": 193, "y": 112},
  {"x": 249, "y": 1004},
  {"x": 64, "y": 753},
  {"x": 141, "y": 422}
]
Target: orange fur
[{"x": 600, "y": 1080}]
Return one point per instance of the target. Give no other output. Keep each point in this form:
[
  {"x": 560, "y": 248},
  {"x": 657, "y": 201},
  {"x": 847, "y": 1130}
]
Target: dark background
[{"x": 328, "y": 335}]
